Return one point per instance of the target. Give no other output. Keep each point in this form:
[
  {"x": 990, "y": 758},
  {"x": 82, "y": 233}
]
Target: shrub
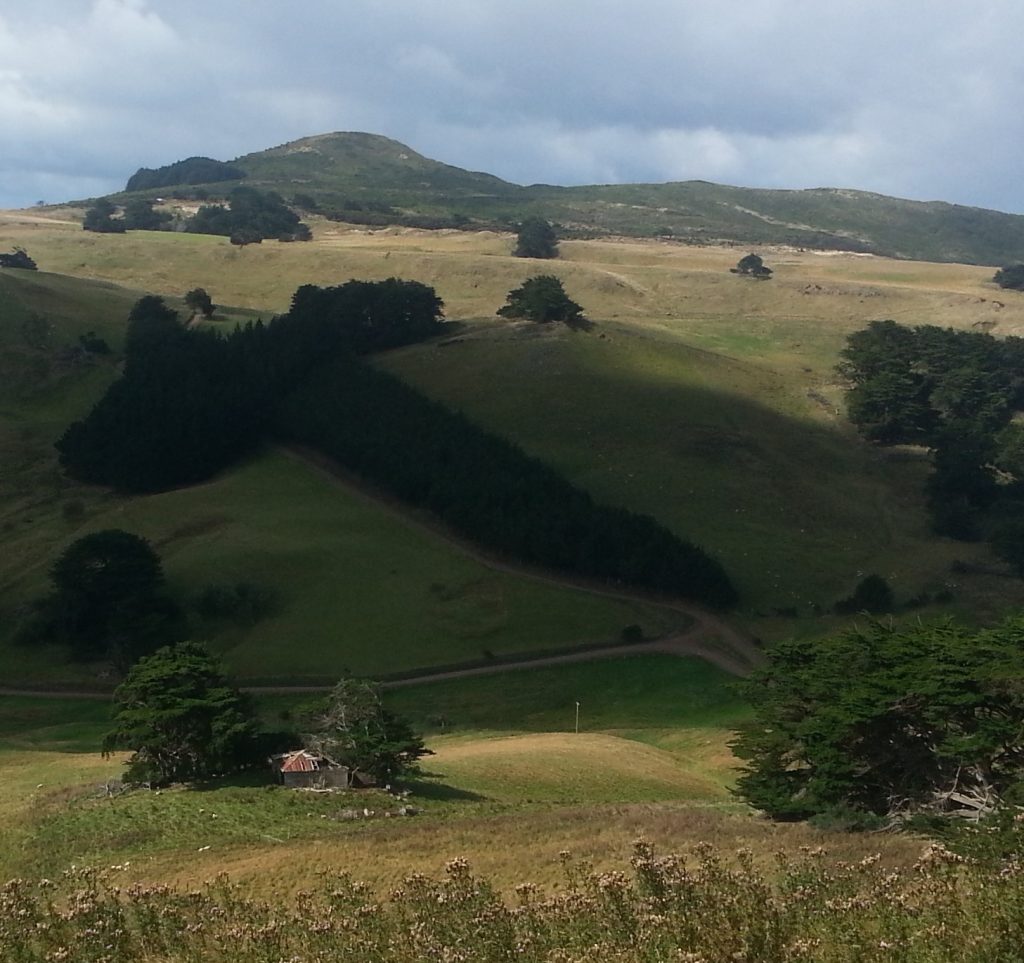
[{"x": 872, "y": 594}]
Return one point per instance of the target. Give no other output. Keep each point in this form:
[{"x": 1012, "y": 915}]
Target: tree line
[
  {"x": 248, "y": 217},
  {"x": 955, "y": 392},
  {"x": 485, "y": 487},
  {"x": 192, "y": 402}
]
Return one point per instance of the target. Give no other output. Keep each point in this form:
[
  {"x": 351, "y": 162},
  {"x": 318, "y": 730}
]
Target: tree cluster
[
  {"x": 250, "y": 216},
  {"x": 1010, "y": 277},
  {"x": 192, "y": 170},
  {"x": 101, "y": 220},
  {"x": 541, "y": 299},
  {"x": 366, "y": 316},
  {"x": 191, "y": 402},
  {"x": 955, "y": 392},
  {"x": 18, "y": 258},
  {"x": 183, "y": 721},
  {"x": 888, "y": 721},
  {"x": 140, "y": 215},
  {"x": 486, "y": 488}
]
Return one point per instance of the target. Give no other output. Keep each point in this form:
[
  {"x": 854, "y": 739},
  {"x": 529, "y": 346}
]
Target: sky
[{"x": 914, "y": 98}]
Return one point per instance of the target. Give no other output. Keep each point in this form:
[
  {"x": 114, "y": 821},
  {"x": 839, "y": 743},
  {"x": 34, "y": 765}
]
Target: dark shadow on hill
[
  {"x": 767, "y": 493},
  {"x": 424, "y": 787}
]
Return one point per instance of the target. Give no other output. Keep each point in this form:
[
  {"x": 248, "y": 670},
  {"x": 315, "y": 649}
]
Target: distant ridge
[{"x": 374, "y": 179}]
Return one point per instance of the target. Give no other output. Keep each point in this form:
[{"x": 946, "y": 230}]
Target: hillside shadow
[{"x": 425, "y": 787}]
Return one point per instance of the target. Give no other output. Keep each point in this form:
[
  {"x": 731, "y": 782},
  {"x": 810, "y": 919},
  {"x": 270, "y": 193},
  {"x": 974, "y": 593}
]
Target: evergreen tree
[
  {"x": 887, "y": 720},
  {"x": 355, "y": 730},
  {"x": 541, "y": 299},
  {"x": 181, "y": 719},
  {"x": 536, "y": 238},
  {"x": 108, "y": 598},
  {"x": 200, "y": 302}
]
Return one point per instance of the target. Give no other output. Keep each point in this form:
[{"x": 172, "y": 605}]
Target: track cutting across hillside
[{"x": 709, "y": 637}]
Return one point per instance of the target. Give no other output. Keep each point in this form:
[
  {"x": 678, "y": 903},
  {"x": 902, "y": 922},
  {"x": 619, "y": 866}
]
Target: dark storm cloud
[{"x": 917, "y": 99}]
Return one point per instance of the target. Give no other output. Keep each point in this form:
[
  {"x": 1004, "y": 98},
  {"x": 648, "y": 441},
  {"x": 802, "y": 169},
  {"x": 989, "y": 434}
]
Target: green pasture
[
  {"x": 653, "y": 729},
  {"x": 727, "y": 451},
  {"x": 361, "y": 591},
  {"x": 636, "y": 694}
]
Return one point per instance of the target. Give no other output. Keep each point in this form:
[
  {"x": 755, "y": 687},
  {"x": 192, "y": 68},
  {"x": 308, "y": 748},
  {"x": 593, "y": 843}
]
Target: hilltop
[{"x": 368, "y": 177}]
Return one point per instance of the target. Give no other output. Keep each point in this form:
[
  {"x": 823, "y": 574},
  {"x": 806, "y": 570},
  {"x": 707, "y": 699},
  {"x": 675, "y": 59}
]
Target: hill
[
  {"x": 373, "y": 177},
  {"x": 360, "y": 588},
  {"x": 706, "y": 400}
]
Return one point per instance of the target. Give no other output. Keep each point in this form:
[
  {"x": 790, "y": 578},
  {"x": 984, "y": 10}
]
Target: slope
[
  {"x": 360, "y": 589},
  {"x": 368, "y": 172},
  {"x": 704, "y": 399}
]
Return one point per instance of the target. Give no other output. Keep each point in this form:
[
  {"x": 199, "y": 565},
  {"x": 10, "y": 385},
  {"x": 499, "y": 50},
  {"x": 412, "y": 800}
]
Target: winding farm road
[{"x": 708, "y": 637}]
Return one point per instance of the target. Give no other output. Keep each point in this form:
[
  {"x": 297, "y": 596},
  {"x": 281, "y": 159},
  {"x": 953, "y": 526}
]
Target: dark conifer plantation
[{"x": 191, "y": 403}]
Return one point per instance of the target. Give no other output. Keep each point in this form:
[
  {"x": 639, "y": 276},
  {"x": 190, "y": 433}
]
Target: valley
[{"x": 706, "y": 400}]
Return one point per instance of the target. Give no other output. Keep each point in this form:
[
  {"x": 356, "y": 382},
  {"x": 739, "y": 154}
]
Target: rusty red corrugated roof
[{"x": 299, "y": 761}]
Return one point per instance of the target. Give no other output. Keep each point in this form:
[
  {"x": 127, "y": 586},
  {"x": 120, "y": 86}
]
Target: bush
[
  {"x": 244, "y": 603},
  {"x": 872, "y": 594},
  {"x": 18, "y": 258},
  {"x": 847, "y": 819}
]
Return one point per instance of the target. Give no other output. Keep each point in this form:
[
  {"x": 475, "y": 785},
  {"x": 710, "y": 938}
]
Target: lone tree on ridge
[
  {"x": 541, "y": 299},
  {"x": 753, "y": 266}
]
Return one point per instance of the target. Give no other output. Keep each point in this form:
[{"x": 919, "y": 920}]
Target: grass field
[
  {"x": 360, "y": 591},
  {"x": 704, "y": 399},
  {"x": 510, "y": 787}
]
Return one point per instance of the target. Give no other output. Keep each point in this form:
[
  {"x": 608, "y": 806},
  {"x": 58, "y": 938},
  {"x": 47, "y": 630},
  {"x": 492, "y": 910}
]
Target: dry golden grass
[
  {"x": 516, "y": 845},
  {"x": 564, "y": 767}
]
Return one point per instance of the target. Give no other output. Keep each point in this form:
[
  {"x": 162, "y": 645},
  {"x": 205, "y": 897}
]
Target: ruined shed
[{"x": 301, "y": 769}]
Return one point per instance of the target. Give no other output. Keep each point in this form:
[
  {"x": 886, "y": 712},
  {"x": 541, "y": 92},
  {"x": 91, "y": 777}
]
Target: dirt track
[{"x": 710, "y": 637}]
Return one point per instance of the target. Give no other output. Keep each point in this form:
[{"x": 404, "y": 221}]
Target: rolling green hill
[
  {"x": 360, "y": 589},
  {"x": 706, "y": 400},
  {"x": 361, "y": 171}
]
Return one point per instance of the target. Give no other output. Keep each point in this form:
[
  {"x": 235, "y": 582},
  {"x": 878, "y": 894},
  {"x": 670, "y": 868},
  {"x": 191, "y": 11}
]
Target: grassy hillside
[
  {"x": 705, "y": 399},
  {"x": 509, "y": 793},
  {"x": 366, "y": 169},
  {"x": 360, "y": 590}
]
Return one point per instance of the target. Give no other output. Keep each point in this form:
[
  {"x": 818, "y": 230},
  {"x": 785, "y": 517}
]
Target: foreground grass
[
  {"x": 504, "y": 788},
  {"x": 694, "y": 909}
]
